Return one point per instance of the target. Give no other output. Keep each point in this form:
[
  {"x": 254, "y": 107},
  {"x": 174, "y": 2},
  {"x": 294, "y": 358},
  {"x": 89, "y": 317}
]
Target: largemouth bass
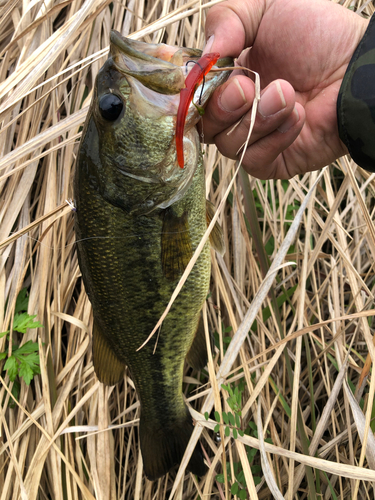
[{"x": 139, "y": 218}]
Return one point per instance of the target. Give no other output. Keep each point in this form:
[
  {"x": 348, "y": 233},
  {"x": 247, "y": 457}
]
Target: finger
[
  {"x": 227, "y": 105},
  {"x": 232, "y": 26},
  {"x": 276, "y": 105},
  {"x": 266, "y": 158}
]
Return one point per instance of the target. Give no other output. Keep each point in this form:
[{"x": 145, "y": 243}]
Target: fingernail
[
  {"x": 208, "y": 45},
  {"x": 233, "y": 96},
  {"x": 289, "y": 122},
  {"x": 272, "y": 100}
]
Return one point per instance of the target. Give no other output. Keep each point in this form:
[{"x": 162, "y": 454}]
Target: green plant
[
  {"x": 232, "y": 422},
  {"x": 24, "y": 361},
  {"x": 238, "y": 482}
]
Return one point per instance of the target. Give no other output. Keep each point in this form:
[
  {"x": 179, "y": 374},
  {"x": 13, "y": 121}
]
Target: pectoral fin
[
  {"x": 108, "y": 368},
  {"x": 216, "y": 235},
  {"x": 176, "y": 248}
]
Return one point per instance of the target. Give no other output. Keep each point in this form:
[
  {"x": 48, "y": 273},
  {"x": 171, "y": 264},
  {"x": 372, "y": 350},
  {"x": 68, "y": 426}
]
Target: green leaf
[
  {"x": 253, "y": 426},
  {"x": 23, "y": 321},
  {"x": 231, "y": 404},
  {"x": 242, "y": 494},
  {"x": 2, "y": 334},
  {"x": 251, "y": 454},
  {"x": 238, "y": 420},
  {"x": 255, "y": 469},
  {"x": 22, "y": 301},
  {"x": 26, "y": 372},
  {"x": 227, "y": 431},
  {"x": 234, "y": 489},
  {"x": 229, "y": 475},
  {"x": 228, "y": 389},
  {"x": 27, "y": 348},
  {"x": 220, "y": 478},
  {"x": 24, "y": 362},
  {"x": 31, "y": 359},
  {"x": 281, "y": 398},
  {"x": 241, "y": 476},
  {"x": 217, "y": 428},
  {"x": 225, "y": 418},
  {"x": 16, "y": 393},
  {"x": 12, "y": 366},
  {"x": 217, "y": 416},
  {"x": 206, "y": 415},
  {"x": 231, "y": 418},
  {"x": 241, "y": 433},
  {"x": 235, "y": 433},
  {"x": 330, "y": 487}
]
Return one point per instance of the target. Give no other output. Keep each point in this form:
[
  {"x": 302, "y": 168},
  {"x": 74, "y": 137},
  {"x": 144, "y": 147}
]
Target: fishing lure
[{"x": 193, "y": 80}]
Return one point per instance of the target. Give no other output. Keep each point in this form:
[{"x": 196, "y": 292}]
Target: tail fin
[{"x": 164, "y": 447}]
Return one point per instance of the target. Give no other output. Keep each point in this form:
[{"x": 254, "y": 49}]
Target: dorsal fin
[
  {"x": 216, "y": 235},
  {"x": 176, "y": 248}
]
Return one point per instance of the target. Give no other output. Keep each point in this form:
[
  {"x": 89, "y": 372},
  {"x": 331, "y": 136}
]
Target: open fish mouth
[{"x": 159, "y": 67}]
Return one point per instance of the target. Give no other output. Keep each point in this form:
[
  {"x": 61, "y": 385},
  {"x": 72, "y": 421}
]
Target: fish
[{"x": 139, "y": 217}]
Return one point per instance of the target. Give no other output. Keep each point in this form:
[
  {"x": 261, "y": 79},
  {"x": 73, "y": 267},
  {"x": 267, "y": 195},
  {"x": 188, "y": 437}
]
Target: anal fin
[{"x": 108, "y": 368}]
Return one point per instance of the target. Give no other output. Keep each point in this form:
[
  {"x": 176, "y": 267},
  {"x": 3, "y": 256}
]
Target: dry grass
[{"x": 298, "y": 365}]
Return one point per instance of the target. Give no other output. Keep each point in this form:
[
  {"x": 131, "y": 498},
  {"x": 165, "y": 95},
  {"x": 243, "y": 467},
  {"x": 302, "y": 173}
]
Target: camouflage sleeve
[{"x": 356, "y": 102}]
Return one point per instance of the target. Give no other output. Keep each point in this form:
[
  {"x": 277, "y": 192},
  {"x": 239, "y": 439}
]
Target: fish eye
[{"x": 110, "y": 107}]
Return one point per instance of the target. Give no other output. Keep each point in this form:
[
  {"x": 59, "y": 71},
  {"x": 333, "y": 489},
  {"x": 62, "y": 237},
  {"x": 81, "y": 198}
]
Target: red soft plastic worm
[{"x": 194, "y": 78}]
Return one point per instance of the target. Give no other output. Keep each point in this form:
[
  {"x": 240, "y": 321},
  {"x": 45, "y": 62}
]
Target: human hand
[{"x": 301, "y": 50}]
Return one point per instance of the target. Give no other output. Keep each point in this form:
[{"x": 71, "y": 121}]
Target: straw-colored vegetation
[{"x": 302, "y": 368}]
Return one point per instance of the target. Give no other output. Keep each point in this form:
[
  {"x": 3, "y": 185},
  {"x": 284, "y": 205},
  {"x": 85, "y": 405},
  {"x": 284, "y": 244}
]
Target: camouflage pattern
[{"x": 356, "y": 102}]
